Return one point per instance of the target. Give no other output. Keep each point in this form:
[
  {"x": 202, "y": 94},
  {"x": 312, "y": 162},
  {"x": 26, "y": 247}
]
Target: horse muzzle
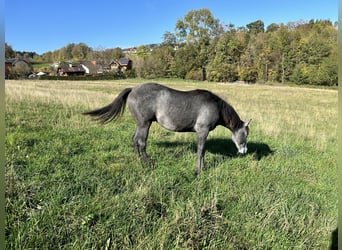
[{"x": 242, "y": 150}]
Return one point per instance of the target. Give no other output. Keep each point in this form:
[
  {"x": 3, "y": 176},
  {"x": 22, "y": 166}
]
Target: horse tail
[{"x": 113, "y": 110}]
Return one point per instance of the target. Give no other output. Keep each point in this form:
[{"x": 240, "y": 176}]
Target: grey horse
[{"x": 197, "y": 111}]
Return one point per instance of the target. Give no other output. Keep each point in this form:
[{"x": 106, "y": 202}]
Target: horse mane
[{"x": 229, "y": 117}]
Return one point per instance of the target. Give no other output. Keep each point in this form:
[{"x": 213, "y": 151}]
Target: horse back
[{"x": 173, "y": 109}]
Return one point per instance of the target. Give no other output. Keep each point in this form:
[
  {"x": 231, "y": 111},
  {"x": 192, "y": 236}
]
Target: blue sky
[{"x": 45, "y": 25}]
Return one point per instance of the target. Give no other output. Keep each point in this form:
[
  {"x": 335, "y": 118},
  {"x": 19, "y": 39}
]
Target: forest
[{"x": 203, "y": 48}]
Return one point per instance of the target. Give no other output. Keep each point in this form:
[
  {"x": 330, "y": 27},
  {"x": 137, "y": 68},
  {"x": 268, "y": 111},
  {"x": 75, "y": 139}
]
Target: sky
[{"x": 45, "y": 25}]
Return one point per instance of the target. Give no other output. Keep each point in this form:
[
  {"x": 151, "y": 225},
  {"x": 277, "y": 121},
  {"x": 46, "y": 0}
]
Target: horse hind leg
[
  {"x": 135, "y": 144},
  {"x": 201, "y": 138},
  {"x": 139, "y": 140}
]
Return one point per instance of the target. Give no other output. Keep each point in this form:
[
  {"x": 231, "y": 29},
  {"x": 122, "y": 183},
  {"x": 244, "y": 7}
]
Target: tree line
[
  {"x": 70, "y": 52},
  {"x": 203, "y": 48},
  {"x": 299, "y": 52}
]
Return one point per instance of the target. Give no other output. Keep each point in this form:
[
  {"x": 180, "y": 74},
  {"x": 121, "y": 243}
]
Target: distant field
[
  {"x": 41, "y": 66},
  {"x": 73, "y": 184}
]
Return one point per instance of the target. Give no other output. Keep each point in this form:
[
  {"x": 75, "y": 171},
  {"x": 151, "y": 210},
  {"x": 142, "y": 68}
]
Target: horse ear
[{"x": 247, "y": 123}]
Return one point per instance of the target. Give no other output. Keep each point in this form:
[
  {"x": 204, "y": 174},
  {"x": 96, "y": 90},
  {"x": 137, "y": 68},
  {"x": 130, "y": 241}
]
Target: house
[
  {"x": 121, "y": 64},
  {"x": 17, "y": 68},
  {"x": 54, "y": 65},
  {"x": 93, "y": 67},
  {"x": 71, "y": 69},
  {"x": 132, "y": 50}
]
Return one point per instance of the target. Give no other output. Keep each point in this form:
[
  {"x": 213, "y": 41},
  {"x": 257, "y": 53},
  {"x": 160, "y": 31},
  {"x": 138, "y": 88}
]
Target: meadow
[{"x": 74, "y": 184}]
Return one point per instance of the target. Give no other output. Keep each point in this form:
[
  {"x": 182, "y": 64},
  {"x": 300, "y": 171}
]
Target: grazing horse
[{"x": 197, "y": 111}]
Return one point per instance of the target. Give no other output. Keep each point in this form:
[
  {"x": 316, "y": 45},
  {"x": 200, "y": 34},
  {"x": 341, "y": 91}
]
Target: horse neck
[{"x": 229, "y": 117}]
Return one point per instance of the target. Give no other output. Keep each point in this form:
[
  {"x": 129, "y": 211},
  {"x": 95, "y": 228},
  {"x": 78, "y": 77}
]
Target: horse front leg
[{"x": 201, "y": 138}]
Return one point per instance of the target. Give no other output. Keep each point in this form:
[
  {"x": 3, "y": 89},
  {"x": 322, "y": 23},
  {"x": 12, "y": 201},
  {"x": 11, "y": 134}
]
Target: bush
[
  {"x": 249, "y": 75},
  {"x": 323, "y": 74},
  {"x": 129, "y": 73},
  {"x": 300, "y": 74},
  {"x": 195, "y": 74},
  {"x": 226, "y": 73}
]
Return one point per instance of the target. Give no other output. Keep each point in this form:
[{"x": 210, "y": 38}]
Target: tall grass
[{"x": 73, "y": 184}]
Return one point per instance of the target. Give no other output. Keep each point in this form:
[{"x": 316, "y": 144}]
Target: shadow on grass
[
  {"x": 334, "y": 240},
  {"x": 224, "y": 147}
]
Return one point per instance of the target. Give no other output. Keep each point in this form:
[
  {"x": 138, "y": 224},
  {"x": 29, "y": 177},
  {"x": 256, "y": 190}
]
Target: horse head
[{"x": 239, "y": 137}]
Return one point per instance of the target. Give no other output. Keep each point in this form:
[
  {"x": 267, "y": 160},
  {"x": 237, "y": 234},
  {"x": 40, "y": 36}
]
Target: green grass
[
  {"x": 73, "y": 184},
  {"x": 39, "y": 66}
]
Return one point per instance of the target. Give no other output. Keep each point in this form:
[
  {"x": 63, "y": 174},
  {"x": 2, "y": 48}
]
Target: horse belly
[{"x": 178, "y": 124}]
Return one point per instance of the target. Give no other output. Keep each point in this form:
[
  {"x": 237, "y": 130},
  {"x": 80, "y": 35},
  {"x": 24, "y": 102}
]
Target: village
[{"x": 21, "y": 68}]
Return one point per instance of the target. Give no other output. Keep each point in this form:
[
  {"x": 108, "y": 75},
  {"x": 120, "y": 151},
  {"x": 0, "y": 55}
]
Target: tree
[
  {"x": 282, "y": 43},
  {"x": 199, "y": 27},
  {"x": 184, "y": 61},
  {"x": 163, "y": 59},
  {"x": 77, "y": 53},
  {"x": 272, "y": 27},
  {"x": 255, "y": 27},
  {"x": 80, "y": 51},
  {"x": 316, "y": 53},
  {"x": 328, "y": 71},
  {"x": 247, "y": 70},
  {"x": 157, "y": 64},
  {"x": 223, "y": 66},
  {"x": 47, "y": 57},
  {"x": 169, "y": 38},
  {"x": 143, "y": 51},
  {"x": 107, "y": 55},
  {"x": 22, "y": 69},
  {"x": 67, "y": 51},
  {"x": 9, "y": 52}
]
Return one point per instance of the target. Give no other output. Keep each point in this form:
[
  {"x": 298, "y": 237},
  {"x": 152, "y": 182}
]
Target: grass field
[{"x": 73, "y": 184}]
